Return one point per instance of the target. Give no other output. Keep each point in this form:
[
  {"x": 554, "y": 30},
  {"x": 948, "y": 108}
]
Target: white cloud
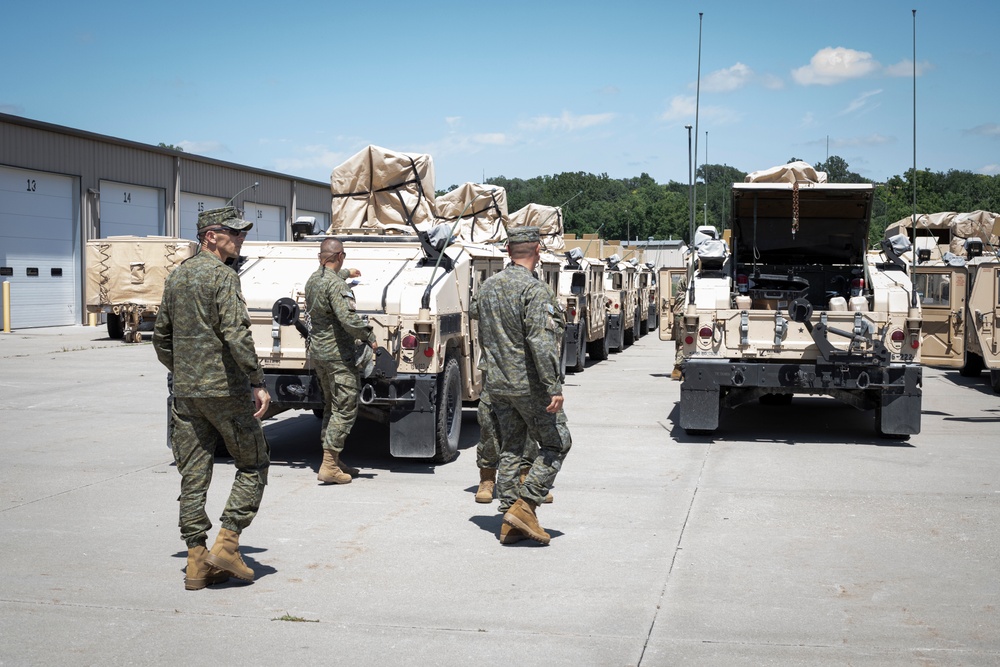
[
  {"x": 314, "y": 157},
  {"x": 725, "y": 80},
  {"x": 987, "y": 130},
  {"x": 203, "y": 147},
  {"x": 681, "y": 108},
  {"x": 453, "y": 122},
  {"x": 566, "y": 122},
  {"x": 833, "y": 65},
  {"x": 990, "y": 169},
  {"x": 808, "y": 120},
  {"x": 609, "y": 90},
  {"x": 861, "y": 102},
  {"x": 905, "y": 68},
  {"x": 736, "y": 77}
]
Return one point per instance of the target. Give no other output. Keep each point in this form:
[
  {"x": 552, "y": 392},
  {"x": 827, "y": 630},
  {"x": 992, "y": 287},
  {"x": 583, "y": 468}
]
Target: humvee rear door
[
  {"x": 941, "y": 290},
  {"x": 667, "y": 283},
  {"x": 984, "y": 313}
]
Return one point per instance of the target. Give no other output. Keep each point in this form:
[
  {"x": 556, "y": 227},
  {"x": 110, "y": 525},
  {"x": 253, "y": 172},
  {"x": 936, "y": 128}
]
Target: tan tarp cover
[
  {"x": 793, "y": 172},
  {"x": 483, "y": 209},
  {"x": 549, "y": 221},
  {"x": 367, "y": 189},
  {"x": 132, "y": 269},
  {"x": 978, "y": 224}
]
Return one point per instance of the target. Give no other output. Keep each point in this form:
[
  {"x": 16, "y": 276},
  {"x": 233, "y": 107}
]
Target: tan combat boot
[
  {"x": 487, "y": 482},
  {"x": 225, "y": 555},
  {"x": 350, "y": 470},
  {"x": 524, "y": 475},
  {"x": 199, "y": 573},
  {"x": 521, "y": 515},
  {"x": 510, "y": 535},
  {"x": 330, "y": 472}
]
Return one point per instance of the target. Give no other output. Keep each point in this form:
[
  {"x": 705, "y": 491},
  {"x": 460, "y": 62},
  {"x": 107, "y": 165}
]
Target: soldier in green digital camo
[
  {"x": 488, "y": 448},
  {"x": 519, "y": 334},
  {"x": 333, "y": 348},
  {"x": 677, "y": 310},
  {"x": 202, "y": 336}
]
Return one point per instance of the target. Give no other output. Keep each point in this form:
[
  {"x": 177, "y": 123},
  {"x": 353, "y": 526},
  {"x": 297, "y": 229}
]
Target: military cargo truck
[
  {"x": 586, "y": 301},
  {"x": 646, "y": 298},
  {"x": 958, "y": 284},
  {"x": 798, "y": 306},
  {"x": 417, "y": 280},
  {"x": 125, "y": 276}
]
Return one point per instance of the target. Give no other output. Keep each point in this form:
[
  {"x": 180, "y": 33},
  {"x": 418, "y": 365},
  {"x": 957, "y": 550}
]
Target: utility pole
[{"x": 690, "y": 189}]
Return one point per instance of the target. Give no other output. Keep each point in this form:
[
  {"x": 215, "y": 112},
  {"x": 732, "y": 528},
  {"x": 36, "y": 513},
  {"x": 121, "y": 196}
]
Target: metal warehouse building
[{"x": 60, "y": 187}]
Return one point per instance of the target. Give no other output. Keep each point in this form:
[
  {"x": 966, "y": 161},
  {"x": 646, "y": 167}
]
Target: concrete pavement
[{"x": 792, "y": 536}]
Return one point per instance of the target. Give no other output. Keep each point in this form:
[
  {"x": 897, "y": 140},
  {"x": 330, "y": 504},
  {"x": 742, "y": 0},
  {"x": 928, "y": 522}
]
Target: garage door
[
  {"x": 38, "y": 248},
  {"x": 130, "y": 210},
  {"x": 268, "y": 222},
  {"x": 191, "y": 206}
]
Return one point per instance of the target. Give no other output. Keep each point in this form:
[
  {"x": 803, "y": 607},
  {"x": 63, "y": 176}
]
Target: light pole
[
  {"x": 690, "y": 189},
  {"x": 706, "y": 176}
]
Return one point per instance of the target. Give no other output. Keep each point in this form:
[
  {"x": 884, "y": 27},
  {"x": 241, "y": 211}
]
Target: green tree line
[{"x": 639, "y": 207}]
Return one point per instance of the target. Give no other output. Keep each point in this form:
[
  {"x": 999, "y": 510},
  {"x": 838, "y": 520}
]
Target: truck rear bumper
[
  {"x": 894, "y": 391},
  {"x": 301, "y": 391}
]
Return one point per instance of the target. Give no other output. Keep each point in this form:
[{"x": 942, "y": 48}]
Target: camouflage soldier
[
  {"x": 519, "y": 332},
  {"x": 202, "y": 336},
  {"x": 488, "y": 448},
  {"x": 677, "y": 308},
  {"x": 336, "y": 328}
]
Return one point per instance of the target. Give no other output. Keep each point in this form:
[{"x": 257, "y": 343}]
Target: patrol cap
[
  {"x": 227, "y": 216},
  {"x": 523, "y": 235}
]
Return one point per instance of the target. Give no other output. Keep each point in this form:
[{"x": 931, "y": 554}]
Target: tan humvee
[
  {"x": 958, "y": 283},
  {"x": 798, "y": 306},
  {"x": 419, "y": 271}
]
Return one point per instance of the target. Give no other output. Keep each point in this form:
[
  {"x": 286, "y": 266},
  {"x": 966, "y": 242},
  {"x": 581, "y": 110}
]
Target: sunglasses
[{"x": 228, "y": 230}]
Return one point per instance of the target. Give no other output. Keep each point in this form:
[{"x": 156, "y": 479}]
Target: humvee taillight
[
  {"x": 409, "y": 342},
  {"x": 689, "y": 339},
  {"x": 429, "y": 352},
  {"x": 742, "y": 283},
  {"x": 915, "y": 343},
  {"x": 898, "y": 336},
  {"x": 857, "y": 286},
  {"x": 705, "y": 332}
]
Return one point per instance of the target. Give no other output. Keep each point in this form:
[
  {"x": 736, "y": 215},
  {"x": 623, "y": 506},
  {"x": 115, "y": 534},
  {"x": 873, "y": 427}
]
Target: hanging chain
[{"x": 795, "y": 208}]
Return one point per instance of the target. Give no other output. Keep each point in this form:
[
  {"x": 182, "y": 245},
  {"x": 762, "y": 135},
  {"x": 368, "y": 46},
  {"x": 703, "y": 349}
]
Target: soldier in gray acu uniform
[
  {"x": 202, "y": 336},
  {"x": 519, "y": 332},
  {"x": 335, "y": 329}
]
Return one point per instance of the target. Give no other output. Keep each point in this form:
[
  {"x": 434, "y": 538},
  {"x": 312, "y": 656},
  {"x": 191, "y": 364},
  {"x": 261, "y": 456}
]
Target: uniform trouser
[
  {"x": 488, "y": 449},
  {"x": 519, "y": 417},
  {"x": 340, "y": 384},
  {"x": 678, "y": 347},
  {"x": 198, "y": 426}
]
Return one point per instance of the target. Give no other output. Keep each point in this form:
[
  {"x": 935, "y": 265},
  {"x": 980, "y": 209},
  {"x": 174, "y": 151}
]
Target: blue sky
[{"x": 519, "y": 89}]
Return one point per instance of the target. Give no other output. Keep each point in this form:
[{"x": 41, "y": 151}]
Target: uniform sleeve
[
  {"x": 163, "y": 332},
  {"x": 541, "y": 337},
  {"x": 342, "y": 305},
  {"x": 234, "y": 327}
]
